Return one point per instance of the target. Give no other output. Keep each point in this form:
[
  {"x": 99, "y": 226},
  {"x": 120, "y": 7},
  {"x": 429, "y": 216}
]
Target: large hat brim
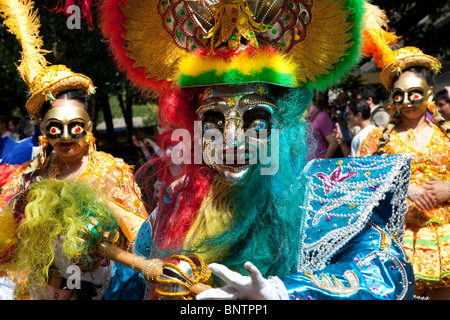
[
  {"x": 388, "y": 74},
  {"x": 71, "y": 82}
]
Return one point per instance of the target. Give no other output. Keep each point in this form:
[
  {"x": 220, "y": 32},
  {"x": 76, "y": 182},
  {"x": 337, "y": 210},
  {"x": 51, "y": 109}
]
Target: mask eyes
[
  {"x": 259, "y": 125},
  {"x": 77, "y": 129},
  {"x": 54, "y": 131},
  {"x": 414, "y": 97},
  {"x": 398, "y": 97},
  {"x": 213, "y": 120},
  {"x": 209, "y": 125},
  {"x": 257, "y": 119}
]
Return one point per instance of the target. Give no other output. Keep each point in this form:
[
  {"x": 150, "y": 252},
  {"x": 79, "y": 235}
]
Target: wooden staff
[{"x": 150, "y": 269}]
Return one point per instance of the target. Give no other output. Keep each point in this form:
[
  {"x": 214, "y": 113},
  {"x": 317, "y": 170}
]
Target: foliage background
[{"x": 421, "y": 23}]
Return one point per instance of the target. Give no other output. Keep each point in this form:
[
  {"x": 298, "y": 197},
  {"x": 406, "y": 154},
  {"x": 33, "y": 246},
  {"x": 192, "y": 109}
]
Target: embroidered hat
[
  {"x": 43, "y": 80},
  {"x": 379, "y": 43}
]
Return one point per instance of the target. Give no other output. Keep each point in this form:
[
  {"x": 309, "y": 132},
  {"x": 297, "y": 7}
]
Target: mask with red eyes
[
  {"x": 66, "y": 124},
  {"x": 411, "y": 92}
]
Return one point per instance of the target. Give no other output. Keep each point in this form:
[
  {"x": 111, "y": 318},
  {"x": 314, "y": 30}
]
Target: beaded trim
[
  {"x": 398, "y": 264},
  {"x": 346, "y": 206}
]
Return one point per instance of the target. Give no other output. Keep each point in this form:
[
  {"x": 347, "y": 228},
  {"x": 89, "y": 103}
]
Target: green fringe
[
  {"x": 353, "y": 55},
  {"x": 236, "y": 77}
]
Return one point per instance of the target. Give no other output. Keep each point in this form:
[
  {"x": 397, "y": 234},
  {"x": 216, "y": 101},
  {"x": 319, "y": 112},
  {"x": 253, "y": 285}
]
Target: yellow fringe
[
  {"x": 213, "y": 218},
  {"x": 247, "y": 63},
  {"x": 21, "y": 21},
  {"x": 7, "y": 230}
]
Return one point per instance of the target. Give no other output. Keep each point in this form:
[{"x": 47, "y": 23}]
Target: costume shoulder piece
[{"x": 344, "y": 195}]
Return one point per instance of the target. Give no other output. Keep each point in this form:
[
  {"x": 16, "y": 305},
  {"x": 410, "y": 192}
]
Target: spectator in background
[
  {"x": 28, "y": 146},
  {"x": 359, "y": 115},
  {"x": 378, "y": 114},
  {"x": 4, "y": 123},
  {"x": 322, "y": 128},
  {"x": 13, "y": 126},
  {"x": 348, "y": 130},
  {"x": 443, "y": 102}
]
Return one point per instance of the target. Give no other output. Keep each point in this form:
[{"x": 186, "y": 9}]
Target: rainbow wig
[
  {"x": 229, "y": 224},
  {"x": 172, "y": 48},
  {"x": 55, "y": 209}
]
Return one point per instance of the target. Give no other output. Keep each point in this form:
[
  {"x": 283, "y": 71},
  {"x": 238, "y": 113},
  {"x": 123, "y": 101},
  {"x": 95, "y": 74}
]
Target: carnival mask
[
  {"x": 411, "y": 91},
  {"x": 66, "y": 124},
  {"x": 236, "y": 122}
]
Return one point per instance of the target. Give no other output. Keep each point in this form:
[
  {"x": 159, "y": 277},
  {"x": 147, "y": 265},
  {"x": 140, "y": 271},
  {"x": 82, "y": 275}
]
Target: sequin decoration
[
  {"x": 196, "y": 23},
  {"x": 342, "y": 199}
]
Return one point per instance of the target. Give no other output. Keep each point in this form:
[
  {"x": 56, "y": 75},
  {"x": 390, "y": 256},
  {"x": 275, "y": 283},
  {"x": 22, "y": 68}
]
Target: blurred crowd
[{"x": 340, "y": 122}]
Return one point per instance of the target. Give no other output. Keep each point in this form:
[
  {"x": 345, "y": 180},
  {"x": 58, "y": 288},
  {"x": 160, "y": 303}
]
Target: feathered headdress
[
  {"x": 44, "y": 81},
  {"x": 204, "y": 42},
  {"x": 378, "y": 42}
]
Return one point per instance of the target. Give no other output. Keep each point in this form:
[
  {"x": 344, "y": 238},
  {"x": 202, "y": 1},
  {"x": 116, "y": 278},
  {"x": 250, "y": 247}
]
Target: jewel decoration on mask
[
  {"x": 231, "y": 102},
  {"x": 336, "y": 177},
  {"x": 197, "y": 23},
  {"x": 261, "y": 91},
  {"x": 234, "y": 20}
]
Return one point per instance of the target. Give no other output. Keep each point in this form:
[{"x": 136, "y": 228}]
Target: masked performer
[
  {"x": 234, "y": 78},
  {"x": 61, "y": 103},
  {"x": 408, "y": 74}
]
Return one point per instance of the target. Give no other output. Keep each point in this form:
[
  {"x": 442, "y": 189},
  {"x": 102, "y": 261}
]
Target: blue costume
[
  {"x": 351, "y": 232},
  {"x": 351, "y": 246},
  {"x": 327, "y": 231}
]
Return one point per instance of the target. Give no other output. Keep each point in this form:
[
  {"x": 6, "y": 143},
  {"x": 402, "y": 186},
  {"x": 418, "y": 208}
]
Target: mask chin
[{"x": 233, "y": 176}]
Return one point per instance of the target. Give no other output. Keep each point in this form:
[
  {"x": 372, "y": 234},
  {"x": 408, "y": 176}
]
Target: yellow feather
[
  {"x": 23, "y": 22},
  {"x": 244, "y": 62},
  {"x": 377, "y": 40}
]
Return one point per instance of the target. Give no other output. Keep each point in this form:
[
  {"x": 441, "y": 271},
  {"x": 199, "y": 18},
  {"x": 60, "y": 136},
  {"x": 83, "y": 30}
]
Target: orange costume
[
  {"x": 110, "y": 176},
  {"x": 427, "y": 235}
]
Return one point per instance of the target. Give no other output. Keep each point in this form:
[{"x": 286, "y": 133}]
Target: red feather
[{"x": 111, "y": 23}]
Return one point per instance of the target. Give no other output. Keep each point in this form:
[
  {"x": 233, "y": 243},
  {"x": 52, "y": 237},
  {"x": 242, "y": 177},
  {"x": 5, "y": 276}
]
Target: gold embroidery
[
  {"x": 385, "y": 241},
  {"x": 335, "y": 285}
]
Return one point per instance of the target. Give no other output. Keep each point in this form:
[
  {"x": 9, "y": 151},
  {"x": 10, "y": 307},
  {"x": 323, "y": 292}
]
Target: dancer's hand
[
  {"x": 439, "y": 190},
  {"x": 252, "y": 287},
  {"x": 421, "y": 197}
]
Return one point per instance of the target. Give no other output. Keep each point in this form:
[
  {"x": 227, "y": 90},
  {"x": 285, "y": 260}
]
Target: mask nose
[
  {"x": 234, "y": 131},
  {"x": 65, "y": 135},
  {"x": 406, "y": 101}
]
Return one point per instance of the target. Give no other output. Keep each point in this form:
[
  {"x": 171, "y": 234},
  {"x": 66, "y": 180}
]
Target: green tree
[
  {"x": 422, "y": 23},
  {"x": 82, "y": 49}
]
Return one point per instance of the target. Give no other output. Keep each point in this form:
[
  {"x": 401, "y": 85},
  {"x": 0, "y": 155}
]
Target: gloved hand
[{"x": 252, "y": 287}]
